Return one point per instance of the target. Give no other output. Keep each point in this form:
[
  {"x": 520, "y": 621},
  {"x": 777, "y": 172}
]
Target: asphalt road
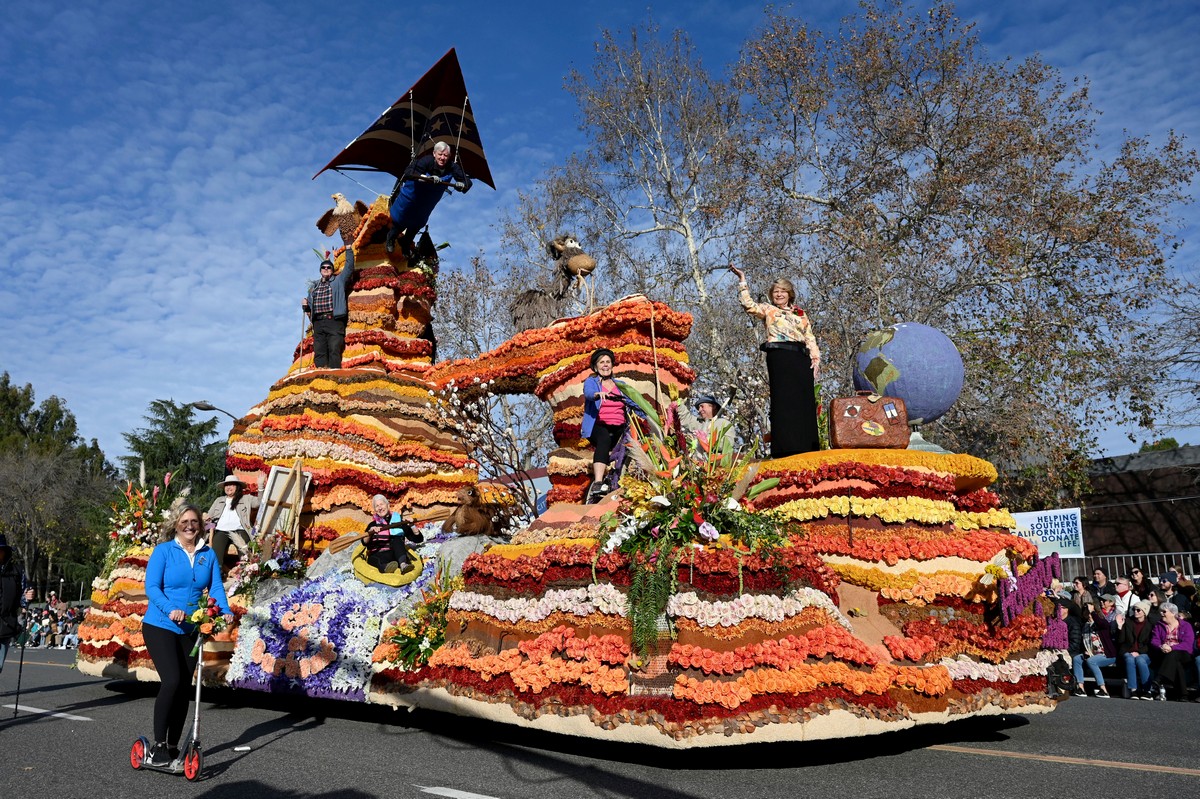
[{"x": 70, "y": 739}]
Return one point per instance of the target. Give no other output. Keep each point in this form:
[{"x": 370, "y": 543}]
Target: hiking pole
[{"x": 21, "y": 664}]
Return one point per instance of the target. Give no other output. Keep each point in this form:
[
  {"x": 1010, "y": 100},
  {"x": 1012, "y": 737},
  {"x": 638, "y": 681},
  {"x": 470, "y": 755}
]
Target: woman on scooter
[{"x": 180, "y": 569}]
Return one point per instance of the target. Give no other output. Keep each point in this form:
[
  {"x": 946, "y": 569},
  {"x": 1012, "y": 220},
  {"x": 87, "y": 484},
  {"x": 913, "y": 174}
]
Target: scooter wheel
[
  {"x": 137, "y": 752},
  {"x": 193, "y": 761}
]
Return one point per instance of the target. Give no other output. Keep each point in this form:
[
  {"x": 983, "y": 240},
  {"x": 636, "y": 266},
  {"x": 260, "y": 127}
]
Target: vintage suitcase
[{"x": 868, "y": 421}]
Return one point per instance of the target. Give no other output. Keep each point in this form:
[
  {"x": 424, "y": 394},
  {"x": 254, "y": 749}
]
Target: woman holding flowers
[
  {"x": 605, "y": 417},
  {"x": 793, "y": 366},
  {"x": 180, "y": 570}
]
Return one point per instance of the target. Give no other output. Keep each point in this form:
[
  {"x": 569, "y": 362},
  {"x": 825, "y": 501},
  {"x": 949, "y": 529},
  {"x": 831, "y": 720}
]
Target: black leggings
[
  {"x": 175, "y": 666},
  {"x": 604, "y": 438},
  {"x": 395, "y": 551}
]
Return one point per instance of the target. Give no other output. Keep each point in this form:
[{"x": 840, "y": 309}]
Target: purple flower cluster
[
  {"x": 1030, "y": 585},
  {"x": 349, "y": 623},
  {"x": 1055, "y": 636}
]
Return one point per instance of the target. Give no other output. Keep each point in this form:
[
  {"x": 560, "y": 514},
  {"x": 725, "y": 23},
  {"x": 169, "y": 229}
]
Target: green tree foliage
[
  {"x": 1160, "y": 445},
  {"x": 174, "y": 441},
  {"x": 53, "y": 487}
]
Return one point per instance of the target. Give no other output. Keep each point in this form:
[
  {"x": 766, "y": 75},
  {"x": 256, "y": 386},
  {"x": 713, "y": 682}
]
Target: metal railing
[{"x": 1152, "y": 565}]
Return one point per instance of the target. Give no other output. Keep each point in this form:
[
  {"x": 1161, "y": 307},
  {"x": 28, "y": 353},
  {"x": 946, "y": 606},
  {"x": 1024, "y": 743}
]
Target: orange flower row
[
  {"x": 553, "y": 658},
  {"x": 915, "y": 648},
  {"x": 786, "y": 653},
  {"x": 917, "y": 543},
  {"x": 933, "y": 681}
]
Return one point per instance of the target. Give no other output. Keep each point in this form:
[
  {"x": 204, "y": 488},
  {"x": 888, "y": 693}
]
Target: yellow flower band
[
  {"x": 894, "y": 510},
  {"x": 969, "y": 472}
]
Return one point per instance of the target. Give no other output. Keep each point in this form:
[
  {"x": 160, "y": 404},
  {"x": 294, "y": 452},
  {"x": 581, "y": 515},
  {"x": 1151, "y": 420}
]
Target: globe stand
[{"x": 917, "y": 441}]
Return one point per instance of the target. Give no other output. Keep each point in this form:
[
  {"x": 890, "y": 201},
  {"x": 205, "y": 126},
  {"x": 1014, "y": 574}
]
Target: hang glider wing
[{"x": 435, "y": 109}]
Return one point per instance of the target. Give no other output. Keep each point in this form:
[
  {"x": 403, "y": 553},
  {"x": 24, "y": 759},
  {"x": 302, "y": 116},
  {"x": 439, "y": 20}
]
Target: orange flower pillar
[
  {"x": 552, "y": 363},
  {"x": 371, "y": 427}
]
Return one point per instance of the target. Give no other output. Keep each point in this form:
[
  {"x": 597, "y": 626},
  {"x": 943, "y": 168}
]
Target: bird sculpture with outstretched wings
[{"x": 343, "y": 217}]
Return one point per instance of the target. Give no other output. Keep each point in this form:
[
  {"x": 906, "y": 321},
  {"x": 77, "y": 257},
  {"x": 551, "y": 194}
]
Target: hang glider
[{"x": 436, "y": 108}]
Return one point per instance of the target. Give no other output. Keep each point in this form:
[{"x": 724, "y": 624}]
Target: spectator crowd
[
  {"x": 1141, "y": 630},
  {"x": 55, "y": 626}
]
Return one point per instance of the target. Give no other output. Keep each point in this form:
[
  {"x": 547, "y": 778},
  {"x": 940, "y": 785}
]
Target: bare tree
[{"x": 507, "y": 433}]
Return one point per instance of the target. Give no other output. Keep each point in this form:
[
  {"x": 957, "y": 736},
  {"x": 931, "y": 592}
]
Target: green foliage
[
  {"x": 173, "y": 441},
  {"x": 1160, "y": 445}
]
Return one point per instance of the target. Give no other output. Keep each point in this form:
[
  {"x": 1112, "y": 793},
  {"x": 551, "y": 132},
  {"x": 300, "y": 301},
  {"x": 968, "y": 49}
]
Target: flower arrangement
[
  {"x": 206, "y": 617},
  {"x": 136, "y": 518},
  {"x": 683, "y": 493},
  {"x": 424, "y": 631},
  {"x": 245, "y": 577}
]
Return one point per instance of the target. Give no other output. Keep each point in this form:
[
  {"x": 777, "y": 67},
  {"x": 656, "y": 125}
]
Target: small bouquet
[
  {"x": 424, "y": 630},
  {"x": 206, "y": 616}
]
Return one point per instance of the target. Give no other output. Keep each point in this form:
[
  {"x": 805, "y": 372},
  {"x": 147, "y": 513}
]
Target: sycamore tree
[
  {"x": 896, "y": 172},
  {"x": 1179, "y": 358},
  {"x": 655, "y": 198},
  {"x": 505, "y": 428},
  {"x": 908, "y": 178}
]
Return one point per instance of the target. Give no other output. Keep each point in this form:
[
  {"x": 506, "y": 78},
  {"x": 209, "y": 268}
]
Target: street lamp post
[{"x": 204, "y": 405}]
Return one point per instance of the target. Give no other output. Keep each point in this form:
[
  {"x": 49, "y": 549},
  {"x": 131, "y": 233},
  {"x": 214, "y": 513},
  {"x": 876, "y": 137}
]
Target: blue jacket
[
  {"x": 175, "y": 583},
  {"x": 591, "y": 405},
  {"x": 413, "y": 201}
]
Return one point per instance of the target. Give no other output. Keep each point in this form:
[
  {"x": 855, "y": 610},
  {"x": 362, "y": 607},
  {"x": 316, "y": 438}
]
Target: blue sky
[{"x": 156, "y": 159}]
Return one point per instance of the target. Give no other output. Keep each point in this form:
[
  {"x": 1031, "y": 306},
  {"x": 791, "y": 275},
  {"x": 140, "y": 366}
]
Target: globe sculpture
[{"x": 915, "y": 362}]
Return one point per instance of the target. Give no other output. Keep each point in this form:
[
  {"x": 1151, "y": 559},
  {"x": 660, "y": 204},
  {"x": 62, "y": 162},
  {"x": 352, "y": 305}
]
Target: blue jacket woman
[{"x": 180, "y": 570}]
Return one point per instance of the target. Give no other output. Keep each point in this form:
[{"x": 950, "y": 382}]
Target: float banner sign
[{"x": 1052, "y": 531}]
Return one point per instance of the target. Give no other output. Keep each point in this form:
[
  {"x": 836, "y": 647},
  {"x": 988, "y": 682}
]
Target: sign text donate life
[{"x": 1053, "y": 531}]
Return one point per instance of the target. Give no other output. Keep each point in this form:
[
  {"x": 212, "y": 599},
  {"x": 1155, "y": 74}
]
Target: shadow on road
[
  {"x": 259, "y": 790},
  {"x": 496, "y": 737}
]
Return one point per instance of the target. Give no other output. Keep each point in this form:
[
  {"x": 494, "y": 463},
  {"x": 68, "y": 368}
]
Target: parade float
[{"x": 715, "y": 599}]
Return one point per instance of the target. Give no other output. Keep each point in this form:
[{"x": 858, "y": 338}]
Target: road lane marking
[
  {"x": 1073, "y": 761},
  {"x": 38, "y": 710},
  {"x": 452, "y": 793}
]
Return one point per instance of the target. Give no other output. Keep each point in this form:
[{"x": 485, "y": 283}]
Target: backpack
[{"x": 1059, "y": 678}]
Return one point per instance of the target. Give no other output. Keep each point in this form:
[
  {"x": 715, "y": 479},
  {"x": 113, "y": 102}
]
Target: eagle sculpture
[{"x": 343, "y": 217}]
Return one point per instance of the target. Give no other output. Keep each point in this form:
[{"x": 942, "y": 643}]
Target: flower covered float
[
  {"x": 832, "y": 594},
  {"x": 714, "y": 601}
]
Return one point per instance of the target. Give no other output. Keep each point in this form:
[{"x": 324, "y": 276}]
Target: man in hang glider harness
[{"x": 424, "y": 182}]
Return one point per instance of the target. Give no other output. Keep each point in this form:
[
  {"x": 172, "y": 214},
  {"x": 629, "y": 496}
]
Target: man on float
[
  {"x": 707, "y": 421},
  {"x": 424, "y": 182},
  {"x": 327, "y": 307}
]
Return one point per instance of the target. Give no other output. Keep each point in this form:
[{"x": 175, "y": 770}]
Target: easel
[{"x": 289, "y": 499}]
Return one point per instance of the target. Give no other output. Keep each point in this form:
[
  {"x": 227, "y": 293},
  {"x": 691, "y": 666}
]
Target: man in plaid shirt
[{"x": 326, "y": 306}]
